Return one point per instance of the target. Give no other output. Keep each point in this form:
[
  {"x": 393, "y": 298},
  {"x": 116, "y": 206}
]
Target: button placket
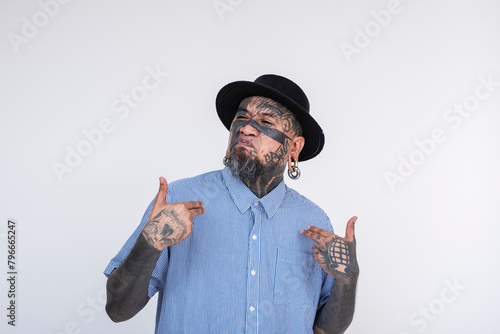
[{"x": 252, "y": 269}]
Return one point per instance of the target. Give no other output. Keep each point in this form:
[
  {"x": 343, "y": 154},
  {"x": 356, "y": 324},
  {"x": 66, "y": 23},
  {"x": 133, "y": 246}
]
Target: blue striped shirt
[{"x": 245, "y": 268}]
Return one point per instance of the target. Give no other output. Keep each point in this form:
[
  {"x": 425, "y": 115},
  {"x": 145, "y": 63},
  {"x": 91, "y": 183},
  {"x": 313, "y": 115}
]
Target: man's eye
[
  {"x": 267, "y": 123},
  {"x": 241, "y": 117}
]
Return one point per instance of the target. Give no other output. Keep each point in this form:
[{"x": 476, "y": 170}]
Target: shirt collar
[{"x": 244, "y": 198}]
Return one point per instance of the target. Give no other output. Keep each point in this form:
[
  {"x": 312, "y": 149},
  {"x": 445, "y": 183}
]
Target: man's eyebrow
[{"x": 269, "y": 114}]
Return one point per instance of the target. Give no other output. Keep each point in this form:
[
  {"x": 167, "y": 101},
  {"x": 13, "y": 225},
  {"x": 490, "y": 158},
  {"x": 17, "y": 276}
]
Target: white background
[{"x": 440, "y": 225}]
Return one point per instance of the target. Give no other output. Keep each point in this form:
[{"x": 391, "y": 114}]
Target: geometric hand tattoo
[{"x": 338, "y": 254}]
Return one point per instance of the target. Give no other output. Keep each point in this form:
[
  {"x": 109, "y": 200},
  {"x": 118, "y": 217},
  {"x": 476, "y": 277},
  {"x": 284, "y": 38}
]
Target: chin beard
[{"x": 246, "y": 168}]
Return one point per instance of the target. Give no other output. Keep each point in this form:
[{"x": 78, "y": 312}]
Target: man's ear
[{"x": 296, "y": 147}]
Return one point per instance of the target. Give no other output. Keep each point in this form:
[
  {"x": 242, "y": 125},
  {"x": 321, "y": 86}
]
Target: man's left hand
[{"x": 336, "y": 255}]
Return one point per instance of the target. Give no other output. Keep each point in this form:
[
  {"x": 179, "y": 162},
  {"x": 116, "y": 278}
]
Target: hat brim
[{"x": 229, "y": 98}]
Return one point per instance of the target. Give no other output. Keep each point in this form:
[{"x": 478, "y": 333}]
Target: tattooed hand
[
  {"x": 336, "y": 255},
  {"x": 170, "y": 223}
]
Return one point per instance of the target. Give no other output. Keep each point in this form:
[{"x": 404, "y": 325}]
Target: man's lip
[{"x": 244, "y": 142}]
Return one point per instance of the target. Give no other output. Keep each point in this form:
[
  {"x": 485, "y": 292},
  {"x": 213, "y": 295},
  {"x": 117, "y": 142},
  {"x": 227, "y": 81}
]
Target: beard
[
  {"x": 249, "y": 168},
  {"x": 245, "y": 167}
]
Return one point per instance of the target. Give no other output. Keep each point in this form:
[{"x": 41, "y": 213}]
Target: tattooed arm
[
  {"x": 168, "y": 224},
  {"x": 127, "y": 285},
  {"x": 337, "y": 256}
]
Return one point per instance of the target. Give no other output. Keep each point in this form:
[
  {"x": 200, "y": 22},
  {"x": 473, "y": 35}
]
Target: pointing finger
[
  {"x": 196, "y": 212},
  {"x": 320, "y": 231},
  {"x": 193, "y": 204},
  {"x": 311, "y": 235}
]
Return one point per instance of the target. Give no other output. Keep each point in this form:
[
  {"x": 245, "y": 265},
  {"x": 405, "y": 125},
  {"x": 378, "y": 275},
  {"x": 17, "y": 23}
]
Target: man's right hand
[{"x": 170, "y": 223}]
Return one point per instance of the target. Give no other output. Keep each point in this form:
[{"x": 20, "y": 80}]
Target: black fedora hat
[{"x": 281, "y": 90}]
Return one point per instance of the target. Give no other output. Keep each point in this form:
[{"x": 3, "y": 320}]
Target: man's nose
[{"x": 249, "y": 130}]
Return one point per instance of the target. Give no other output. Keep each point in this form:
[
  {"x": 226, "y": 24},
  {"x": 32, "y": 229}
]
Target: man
[{"x": 237, "y": 251}]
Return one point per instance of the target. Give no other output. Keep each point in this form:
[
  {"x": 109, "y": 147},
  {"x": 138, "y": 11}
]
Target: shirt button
[
  {"x": 254, "y": 237},
  {"x": 256, "y": 203},
  {"x": 252, "y": 309},
  {"x": 253, "y": 272}
]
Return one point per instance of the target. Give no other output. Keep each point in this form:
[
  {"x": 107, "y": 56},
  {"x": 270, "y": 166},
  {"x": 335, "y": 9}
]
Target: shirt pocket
[{"x": 296, "y": 279}]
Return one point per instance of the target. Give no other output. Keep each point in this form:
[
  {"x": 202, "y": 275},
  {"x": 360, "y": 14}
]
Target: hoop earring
[
  {"x": 225, "y": 161},
  {"x": 295, "y": 173}
]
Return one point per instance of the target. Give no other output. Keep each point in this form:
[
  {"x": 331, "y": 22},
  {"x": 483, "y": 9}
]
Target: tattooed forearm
[
  {"x": 337, "y": 314},
  {"x": 337, "y": 256},
  {"x": 168, "y": 224},
  {"x": 127, "y": 285}
]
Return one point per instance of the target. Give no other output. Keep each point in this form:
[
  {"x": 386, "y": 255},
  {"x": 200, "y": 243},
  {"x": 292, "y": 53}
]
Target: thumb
[
  {"x": 162, "y": 192},
  {"x": 349, "y": 231}
]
